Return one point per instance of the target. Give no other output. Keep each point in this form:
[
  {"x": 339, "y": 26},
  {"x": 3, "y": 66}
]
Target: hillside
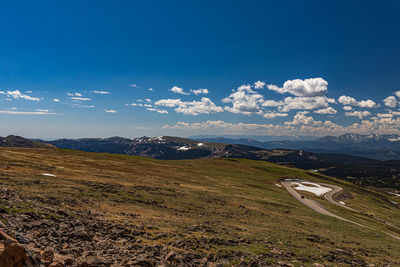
[
  {"x": 134, "y": 211},
  {"x": 360, "y": 170}
]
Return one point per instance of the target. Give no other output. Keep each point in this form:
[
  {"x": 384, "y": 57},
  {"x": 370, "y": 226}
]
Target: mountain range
[{"x": 375, "y": 146}]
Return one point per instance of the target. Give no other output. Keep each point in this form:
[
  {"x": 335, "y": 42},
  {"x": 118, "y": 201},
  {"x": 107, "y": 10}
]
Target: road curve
[
  {"x": 321, "y": 209},
  {"x": 329, "y": 196},
  {"x": 311, "y": 203}
]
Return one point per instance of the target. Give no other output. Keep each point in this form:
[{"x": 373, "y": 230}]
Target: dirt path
[{"x": 321, "y": 209}]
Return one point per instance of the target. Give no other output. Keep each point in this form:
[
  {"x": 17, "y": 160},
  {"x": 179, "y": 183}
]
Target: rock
[
  {"x": 21, "y": 239},
  {"x": 47, "y": 255},
  {"x": 56, "y": 264},
  {"x": 170, "y": 256},
  {"x": 16, "y": 255}
]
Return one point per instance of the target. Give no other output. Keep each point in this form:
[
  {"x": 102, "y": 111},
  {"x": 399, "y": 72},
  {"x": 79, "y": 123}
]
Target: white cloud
[
  {"x": 300, "y": 119},
  {"x": 205, "y": 106},
  {"x": 43, "y": 110},
  {"x": 244, "y": 101},
  {"x": 81, "y": 98},
  {"x": 150, "y": 89},
  {"x": 161, "y": 111},
  {"x": 134, "y": 85},
  {"x": 178, "y": 90},
  {"x": 18, "y": 95},
  {"x": 397, "y": 93},
  {"x": 298, "y": 87},
  {"x": 147, "y": 105},
  {"x": 110, "y": 111},
  {"x": 272, "y": 103},
  {"x": 390, "y": 101},
  {"x": 328, "y": 110},
  {"x": 168, "y": 102},
  {"x": 101, "y": 92},
  {"x": 199, "y": 91},
  {"x": 350, "y": 101},
  {"x": 229, "y": 127},
  {"x": 134, "y": 104},
  {"x": 307, "y": 103},
  {"x": 272, "y": 115},
  {"x": 74, "y": 94},
  {"x": 148, "y": 100},
  {"x": 359, "y": 114},
  {"x": 347, "y": 108},
  {"x": 259, "y": 85},
  {"x": 56, "y": 100}
]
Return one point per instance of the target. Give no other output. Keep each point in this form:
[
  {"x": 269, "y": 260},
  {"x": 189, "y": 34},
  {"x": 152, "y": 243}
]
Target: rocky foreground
[{"x": 40, "y": 234}]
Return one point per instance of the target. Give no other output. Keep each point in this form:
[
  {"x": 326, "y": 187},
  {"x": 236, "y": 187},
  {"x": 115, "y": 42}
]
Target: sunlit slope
[{"x": 236, "y": 201}]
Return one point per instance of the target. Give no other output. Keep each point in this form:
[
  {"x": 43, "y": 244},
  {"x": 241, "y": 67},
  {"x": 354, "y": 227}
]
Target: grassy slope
[{"x": 228, "y": 198}]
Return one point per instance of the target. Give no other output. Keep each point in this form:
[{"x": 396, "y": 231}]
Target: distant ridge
[
  {"x": 18, "y": 141},
  {"x": 375, "y": 146}
]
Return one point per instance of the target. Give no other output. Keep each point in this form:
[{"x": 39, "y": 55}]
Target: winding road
[{"x": 287, "y": 184}]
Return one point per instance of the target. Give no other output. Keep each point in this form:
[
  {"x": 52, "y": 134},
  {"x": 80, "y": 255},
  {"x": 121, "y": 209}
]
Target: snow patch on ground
[
  {"x": 49, "y": 174},
  {"x": 200, "y": 144},
  {"x": 341, "y": 202},
  {"x": 394, "y": 194},
  {"x": 312, "y": 187},
  {"x": 278, "y": 185},
  {"x": 183, "y": 148}
]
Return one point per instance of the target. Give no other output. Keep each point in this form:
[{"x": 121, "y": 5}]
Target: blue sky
[{"x": 84, "y": 68}]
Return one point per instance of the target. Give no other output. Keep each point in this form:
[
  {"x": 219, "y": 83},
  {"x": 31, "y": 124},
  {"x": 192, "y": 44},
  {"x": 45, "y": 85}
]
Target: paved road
[
  {"x": 329, "y": 196},
  {"x": 321, "y": 209}
]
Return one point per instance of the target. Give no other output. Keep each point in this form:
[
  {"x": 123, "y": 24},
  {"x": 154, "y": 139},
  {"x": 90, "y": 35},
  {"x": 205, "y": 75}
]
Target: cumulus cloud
[
  {"x": 328, "y": 110},
  {"x": 244, "y": 101},
  {"x": 101, "y": 92},
  {"x": 298, "y": 87},
  {"x": 272, "y": 115},
  {"x": 150, "y": 89},
  {"x": 18, "y": 95},
  {"x": 347, "y": 108},
  {"x": 350, "y": 101},
  {"x": 218, "y": 125},
  {"x": 199, "y": 91},
  {"x": 307, "y": 103},
  {"x": 272, "y": 103},
  {"x": 205, "y": 106},
  {"x": 56, "y": 100},
  {"x": 134, "y": 85},
  {"x": 390, "y": 101},
  {"x": 178, "y": 90},
  {"x": 259, "y": 85},
  {"x": 397, "y": 93},
  {"x": 359, "y": 114},
  {"x": 300, "y": 119},
  {"x": 110, "y": 111}
]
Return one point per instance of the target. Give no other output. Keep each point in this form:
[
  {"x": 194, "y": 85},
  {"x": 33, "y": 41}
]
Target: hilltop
[
  {"x": 134, "y": 211},
  {"x": 18, "y": 141}
]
